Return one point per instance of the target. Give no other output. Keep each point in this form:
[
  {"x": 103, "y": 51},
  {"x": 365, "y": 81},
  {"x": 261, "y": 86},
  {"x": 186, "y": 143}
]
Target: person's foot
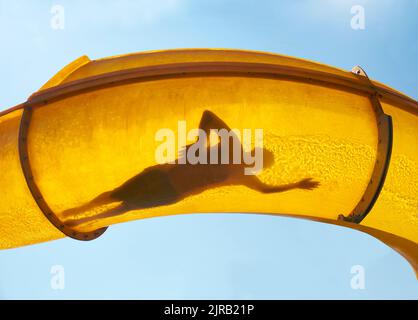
[{"x": 308, "y": 184}]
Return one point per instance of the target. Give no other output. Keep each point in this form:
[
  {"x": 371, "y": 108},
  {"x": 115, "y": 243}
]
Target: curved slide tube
[{"x": 208, "y": 131}]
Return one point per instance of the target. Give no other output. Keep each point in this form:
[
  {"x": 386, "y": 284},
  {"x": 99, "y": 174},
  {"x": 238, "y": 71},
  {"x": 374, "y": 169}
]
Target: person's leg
[
  {"x": 120, "y": 209},
  {"x": 100, "y": 200}
]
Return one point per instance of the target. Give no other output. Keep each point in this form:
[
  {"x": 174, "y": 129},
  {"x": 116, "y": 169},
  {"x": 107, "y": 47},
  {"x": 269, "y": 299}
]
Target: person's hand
[{"x": 308, "y": 184}]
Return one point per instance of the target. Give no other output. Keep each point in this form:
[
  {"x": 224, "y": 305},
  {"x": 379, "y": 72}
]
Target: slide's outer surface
[{"x": 67, "y": 154}]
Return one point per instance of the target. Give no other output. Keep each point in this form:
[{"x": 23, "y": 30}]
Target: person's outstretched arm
[{"x": 255, "y": 184}]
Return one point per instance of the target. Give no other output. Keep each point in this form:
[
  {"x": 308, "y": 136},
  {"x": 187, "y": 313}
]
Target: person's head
[{"x": 268, "y": 157}]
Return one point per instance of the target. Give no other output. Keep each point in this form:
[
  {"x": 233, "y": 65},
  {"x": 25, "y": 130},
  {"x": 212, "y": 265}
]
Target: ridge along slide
[{"x": 81, "y": 153}]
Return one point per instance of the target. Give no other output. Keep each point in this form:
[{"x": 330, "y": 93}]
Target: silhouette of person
[{"x": 165, "y": 184}]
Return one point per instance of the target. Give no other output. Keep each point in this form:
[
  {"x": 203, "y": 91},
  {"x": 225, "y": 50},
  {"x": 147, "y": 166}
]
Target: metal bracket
[
  {"x": 36, "y": 193},
  {"x": 384, "y": 151}
]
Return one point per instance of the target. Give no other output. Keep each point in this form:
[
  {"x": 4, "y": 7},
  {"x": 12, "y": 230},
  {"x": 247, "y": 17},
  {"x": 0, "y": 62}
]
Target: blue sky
[{"x": 208, "y": 256}]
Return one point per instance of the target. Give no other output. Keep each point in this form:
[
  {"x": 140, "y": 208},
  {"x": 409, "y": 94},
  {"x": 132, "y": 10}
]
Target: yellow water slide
[{"x": 87, "y": 150}]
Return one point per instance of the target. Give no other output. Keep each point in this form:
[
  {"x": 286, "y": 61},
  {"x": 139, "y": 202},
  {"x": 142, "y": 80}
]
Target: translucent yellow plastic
[{"x": 92, "y": 142}]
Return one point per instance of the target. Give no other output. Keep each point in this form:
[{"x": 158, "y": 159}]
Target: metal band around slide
[
  {"x": 36, "y": 193},
  {"x": 384, "y": 151}
]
